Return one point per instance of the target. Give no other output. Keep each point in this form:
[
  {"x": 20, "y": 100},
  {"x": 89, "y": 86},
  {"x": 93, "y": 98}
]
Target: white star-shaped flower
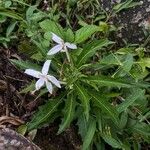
[
  {"x": 43, "y": 77},
  {"x": 61, "y": 46}
]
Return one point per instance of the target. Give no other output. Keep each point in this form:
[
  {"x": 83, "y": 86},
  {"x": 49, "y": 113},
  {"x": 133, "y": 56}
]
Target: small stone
[{"x": 11, "y": 140}]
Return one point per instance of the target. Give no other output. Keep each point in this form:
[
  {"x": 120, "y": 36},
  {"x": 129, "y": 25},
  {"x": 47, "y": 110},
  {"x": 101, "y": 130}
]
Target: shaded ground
[{"x": 12, "y": 103}]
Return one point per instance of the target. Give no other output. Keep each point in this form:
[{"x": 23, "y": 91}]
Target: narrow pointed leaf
[
  {"x": 89, "y": 135},
  {"x": 82, "y": 125},
  {"x": 105, "y": 106},
  {"x": 68, "y": 113},
  {"x": 11, "y": 14},
  {"x": 136, "y": 93},
  {"x": 25, "y": 64},
  {"x": 90, "y": 49},
  {"x": 108, "y": 81},
  {"x": 84, "y": 97},
  {"x": 44, "y": 113}
]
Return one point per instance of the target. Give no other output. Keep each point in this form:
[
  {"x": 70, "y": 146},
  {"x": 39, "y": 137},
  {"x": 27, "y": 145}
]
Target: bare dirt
[{"x": 21, "y": 107}]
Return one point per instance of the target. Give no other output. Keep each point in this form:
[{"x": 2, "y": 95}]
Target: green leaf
[
  {"x": 29, "y": 13},
  {"x": 22, "y": 129},
  {"x": 10, "y": 29},
  {"x": 27, "y": 48},
  {"x": 123, "y": 120},
  {"x": 136, "y": 93},
  {"x": 90, "y": 49},
  {"x": 68, "y": 113},
  {"x": 126, "y": 66},
  {"x": 41, "y": 47},
  {"x": 69, "y": 36},
  {"x": 25, "y": 64},
  {"x": 44, "y": 113},
  {"x": 11, "y": 14},
  {"x": 7, "y": 4},
  {"x": 37, "y": 56},
  {"x": 85, "y": 32},
  {"x": 30, "y": 87},
  {"x": 108, "y": 81},
  {"x": 144, "y": 62},
  {"x": 104, "y": 105},
  {"x": 84, "y": 97},
  {"x": 51, "y": 26},
  {"x": 142, "y": 128},
  {"x": 82, "y": 125},
  {"x": 111, "y": 59},
  {"x": 90, "y": 134},
  {"x": 111, "y": 141},
  {"x": 125, "y": 5}
]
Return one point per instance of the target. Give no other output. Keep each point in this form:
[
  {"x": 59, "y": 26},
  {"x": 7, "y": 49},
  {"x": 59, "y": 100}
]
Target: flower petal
[
  {"x": 39, "y": 84},
  {"x": 49, "y": 87},
  {"x": 33, "y": 73},
  {"x": 54, "y": 81},
  {"x": 70, "y": 45},
  {"x": 57, "y": 39},
  {"x": 55, "y": 49},
  {"x": 46, "y": 67}
]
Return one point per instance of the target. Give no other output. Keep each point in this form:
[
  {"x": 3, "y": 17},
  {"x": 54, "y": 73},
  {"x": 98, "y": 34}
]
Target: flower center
[
  {"x": 64, "y": 49},
  {"x": 44, "y": 77}
]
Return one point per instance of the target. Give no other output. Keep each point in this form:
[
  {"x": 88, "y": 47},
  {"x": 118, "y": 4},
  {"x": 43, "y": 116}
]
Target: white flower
[
  {"x": 61, "y": 46},
  {"x": 43, "y": 77}
]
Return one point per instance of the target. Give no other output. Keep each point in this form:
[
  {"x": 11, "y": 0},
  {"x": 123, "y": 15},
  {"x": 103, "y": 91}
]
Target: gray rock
[
  {"x": 11, "y": 140},
  {"x": 131, "y": 22}
]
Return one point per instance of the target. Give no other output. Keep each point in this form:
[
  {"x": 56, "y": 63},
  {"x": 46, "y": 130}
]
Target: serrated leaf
[
  {"x": 44, "y": 113},
  {"x": 107, "y": 81},
  {"x": 142, "y": 128},
  {"x": 111, "y": 141},
  {"x": 84, "y": 97},
  {"x": 51, "y": 26},
  {"x": 90, "y": 49},
  {"x": 111, "y": 59},
  {"x": 25, "y": 64},
  {"x": 68, "y": 113},
  {"x": 136, "y": 93},
  {"x": 105, "y": 106},
  {"x": 82, "y": 125},
  {"x": 90, "y": 134},
  {"x": 28, "y": 88},
  {"x": 85, "y": 32}
]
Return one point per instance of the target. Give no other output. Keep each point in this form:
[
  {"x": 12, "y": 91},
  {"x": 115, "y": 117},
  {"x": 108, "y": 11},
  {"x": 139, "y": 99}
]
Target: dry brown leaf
[{"x": 11, "y": 120}]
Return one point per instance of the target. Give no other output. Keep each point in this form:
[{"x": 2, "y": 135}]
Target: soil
[{"x": 12, "y": 103}]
